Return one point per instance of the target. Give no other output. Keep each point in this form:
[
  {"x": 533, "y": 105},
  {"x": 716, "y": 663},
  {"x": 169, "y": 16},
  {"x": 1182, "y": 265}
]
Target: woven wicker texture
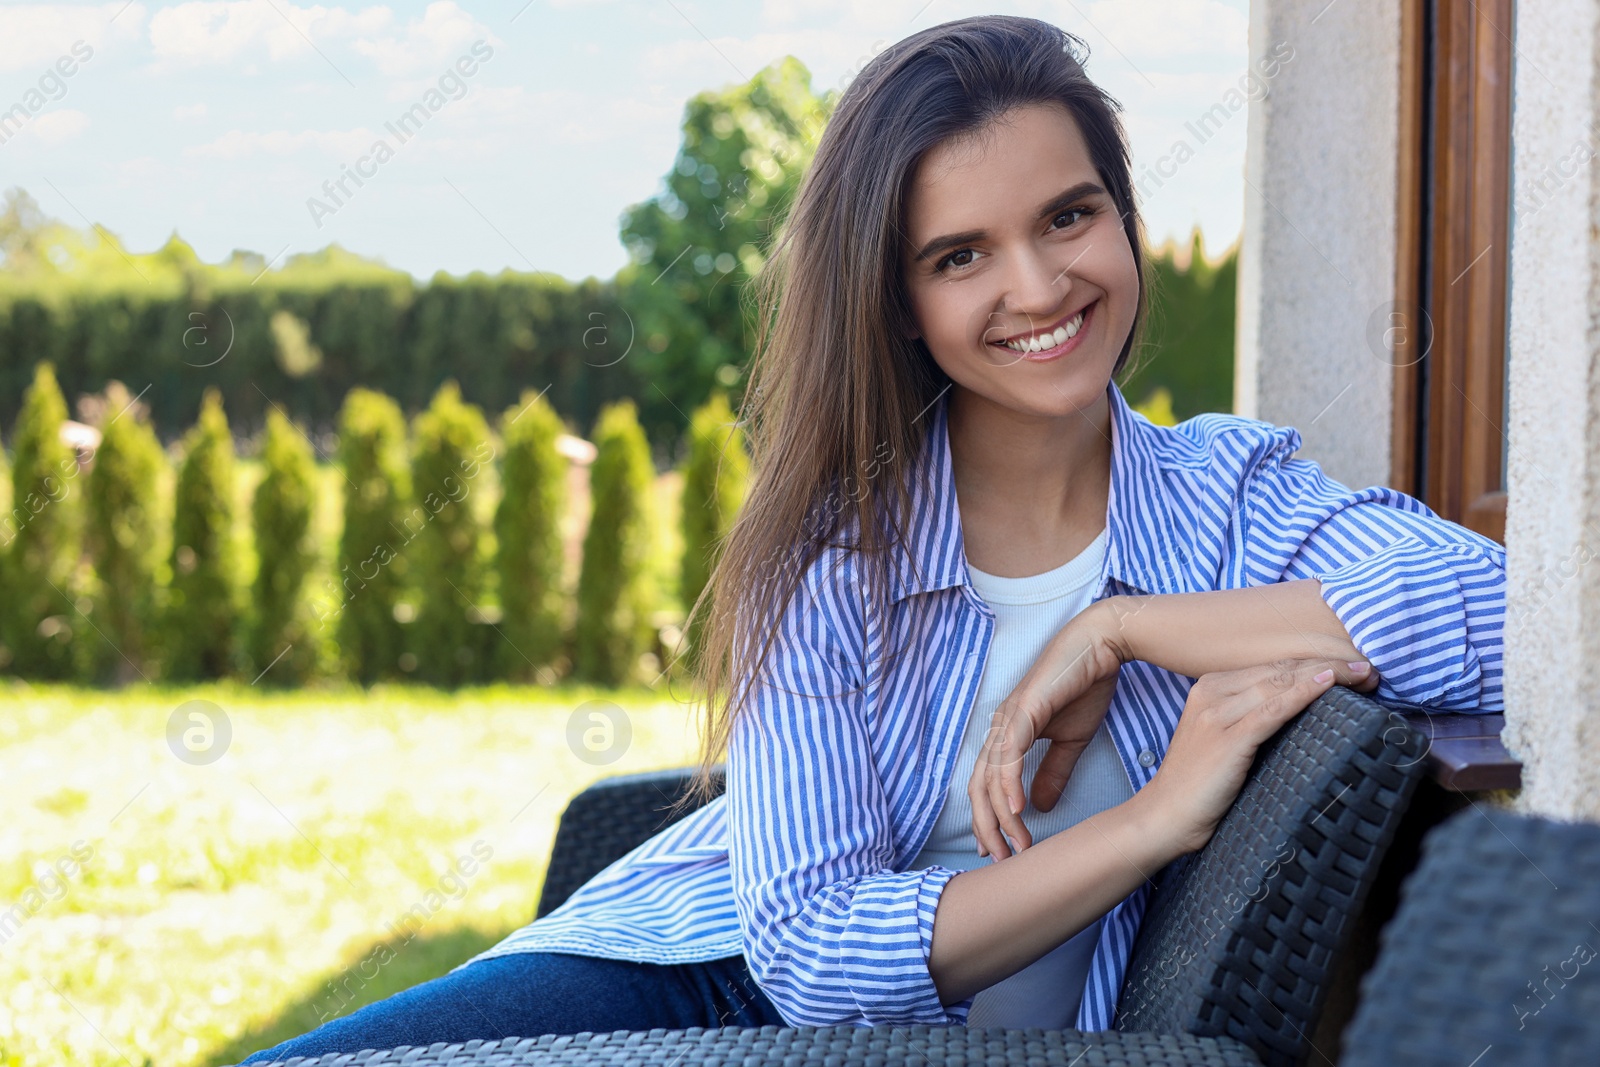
[
  {"x": 1240, "y": 938},
  {"x": 608, "y": 820},
  {"x": 825, "y": 1046},
  {"x": 1493, "y": 957}
]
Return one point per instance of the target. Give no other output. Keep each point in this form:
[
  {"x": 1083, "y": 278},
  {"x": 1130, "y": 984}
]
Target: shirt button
[{"x": 1147, "y": 758}]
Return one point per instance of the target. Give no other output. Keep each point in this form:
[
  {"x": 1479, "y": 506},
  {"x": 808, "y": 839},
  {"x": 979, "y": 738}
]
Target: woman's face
[{"x": 1013, "y": 243}]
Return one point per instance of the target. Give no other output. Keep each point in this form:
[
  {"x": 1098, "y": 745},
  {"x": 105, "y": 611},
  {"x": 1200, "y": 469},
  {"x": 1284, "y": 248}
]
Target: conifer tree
[
  {"x": 527, "y": 525},
  {"x": 615, "y": 589},
  {"x": 714, "y": 482},
  {"x": 203, "y": 609},
  {"x": 450, "y": 453},
  {"x": 123, "y": 536},
  {"x": 369, "y": 580},
  {"x": 282, "y": 645},
  {"x": 42, "y": 537}
]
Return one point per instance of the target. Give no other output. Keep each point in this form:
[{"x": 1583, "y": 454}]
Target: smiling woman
[{"x": 935, "y": 426}]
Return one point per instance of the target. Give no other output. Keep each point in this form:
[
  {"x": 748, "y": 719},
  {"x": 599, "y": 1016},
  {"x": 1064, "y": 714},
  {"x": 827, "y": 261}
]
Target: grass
[{"x": 218, "y": 909}]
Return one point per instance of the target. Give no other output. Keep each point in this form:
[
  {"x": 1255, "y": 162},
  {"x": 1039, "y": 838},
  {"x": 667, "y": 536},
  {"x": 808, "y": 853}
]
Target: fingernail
[
  {"x": 1323, "y": 677},
  {"x": 1016, "y": 807},
  {"x": 1359, "y": 666}
]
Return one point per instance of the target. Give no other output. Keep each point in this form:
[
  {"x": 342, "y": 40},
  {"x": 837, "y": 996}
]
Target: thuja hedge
[
  {"x": 154, "y": 585},
  {"x": 41, "y": 535},
  {"x": 614, "y": 588},
  {"x": 365, "y": 327}
]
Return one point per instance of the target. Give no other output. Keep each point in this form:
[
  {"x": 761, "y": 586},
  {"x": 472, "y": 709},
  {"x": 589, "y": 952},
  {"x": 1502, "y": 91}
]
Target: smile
[{"x": 1051, "y": 342}]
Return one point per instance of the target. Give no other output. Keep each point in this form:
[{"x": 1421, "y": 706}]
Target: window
[{"x": 1449, "y": 327}]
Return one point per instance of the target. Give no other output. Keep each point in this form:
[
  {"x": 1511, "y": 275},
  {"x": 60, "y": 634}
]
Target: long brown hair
[{"x": 836, "y": 385}]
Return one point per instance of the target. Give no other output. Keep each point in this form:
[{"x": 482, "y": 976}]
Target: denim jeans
[{"x": 526, "y": 994}]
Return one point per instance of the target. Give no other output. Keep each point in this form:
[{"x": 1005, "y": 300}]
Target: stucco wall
[
  {"x": 1316, "y": 268},
  {"x": 1553, "y": 473}
]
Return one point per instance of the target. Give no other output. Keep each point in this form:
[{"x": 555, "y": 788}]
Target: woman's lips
[{"x": 1048, "y": 354}]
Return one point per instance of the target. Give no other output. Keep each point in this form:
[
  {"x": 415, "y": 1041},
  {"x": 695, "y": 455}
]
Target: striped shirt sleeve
[
  {"x": 1423, "y": 598},
  {"x": 832, "y": 933}
]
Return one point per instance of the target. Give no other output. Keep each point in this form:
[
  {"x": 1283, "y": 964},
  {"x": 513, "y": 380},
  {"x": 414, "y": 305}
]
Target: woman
[{"x": 977, "y": 579}]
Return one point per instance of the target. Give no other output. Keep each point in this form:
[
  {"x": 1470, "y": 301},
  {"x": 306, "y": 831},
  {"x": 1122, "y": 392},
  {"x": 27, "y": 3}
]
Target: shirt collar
[{"x": 1143, "y": 551}]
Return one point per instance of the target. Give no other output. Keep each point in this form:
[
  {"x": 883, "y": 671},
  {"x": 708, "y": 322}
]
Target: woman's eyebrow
[{"x": 1049, "y": 207}]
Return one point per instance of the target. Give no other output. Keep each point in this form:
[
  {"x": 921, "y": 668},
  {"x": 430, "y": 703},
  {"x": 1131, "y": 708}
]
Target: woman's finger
[
  {"x": 984, "y": 825},
  {"x": 1000, "y": 787},
  {"x": 1369, "y": 683},
  {"x": 1055, "y": 770},
  {"x": 1283, "y": 674},
  {"x": 1010, "y": 737},
  {"x": 1305, "y": 683}
]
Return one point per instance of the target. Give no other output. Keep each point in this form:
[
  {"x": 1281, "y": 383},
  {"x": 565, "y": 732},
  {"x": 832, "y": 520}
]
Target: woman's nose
[{"x": 1036, "y": 286}]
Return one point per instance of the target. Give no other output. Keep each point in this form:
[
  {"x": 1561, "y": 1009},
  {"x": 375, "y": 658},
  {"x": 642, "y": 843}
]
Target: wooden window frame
[{"x": 1449, "y": 324}]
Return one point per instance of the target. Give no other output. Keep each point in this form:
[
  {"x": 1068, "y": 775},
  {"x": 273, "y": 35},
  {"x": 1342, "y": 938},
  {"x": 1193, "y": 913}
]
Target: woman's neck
[{"x": 1032, "y": 490}]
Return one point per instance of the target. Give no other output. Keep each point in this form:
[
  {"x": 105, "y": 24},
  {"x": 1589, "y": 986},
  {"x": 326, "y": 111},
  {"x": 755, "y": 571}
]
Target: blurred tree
[
  {"x": 695, "y": 244},
  {"x": 123, "y": 537},
  {"x": 23, "y": 224},
  {"x": 714, "y": 484},
  {"x": 203, "y": 609},
  {"x": 1189, "y": 343},
  {"x": 42, "y": 537},
  {"x": 282, "y": 635},
  {"x": 451, "y": 447},
  {"x": 367, "y": 588},
  {"x": 615, "y": 589},
  {"x": 527, "y": 527}
]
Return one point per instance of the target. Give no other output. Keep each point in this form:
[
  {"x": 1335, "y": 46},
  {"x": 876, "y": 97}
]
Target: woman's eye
[
  {"x": 1072, "y": 211},
  {"x": 953, "y": 257}
]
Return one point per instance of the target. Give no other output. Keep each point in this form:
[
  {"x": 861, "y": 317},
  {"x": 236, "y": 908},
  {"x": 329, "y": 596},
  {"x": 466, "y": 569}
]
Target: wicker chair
[
  {"x": 1496, "y": 946},
  {"x": 1230, "y": 967}
]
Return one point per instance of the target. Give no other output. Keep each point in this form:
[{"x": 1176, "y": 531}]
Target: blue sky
[{"x": 221, "y": 120}]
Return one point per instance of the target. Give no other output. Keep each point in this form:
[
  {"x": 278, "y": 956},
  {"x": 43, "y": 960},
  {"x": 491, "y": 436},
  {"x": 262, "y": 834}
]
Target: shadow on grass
[{"x": 367, "y": 978}]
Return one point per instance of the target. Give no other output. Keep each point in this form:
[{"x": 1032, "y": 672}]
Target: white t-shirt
[{"x": 1028, "y": 613}]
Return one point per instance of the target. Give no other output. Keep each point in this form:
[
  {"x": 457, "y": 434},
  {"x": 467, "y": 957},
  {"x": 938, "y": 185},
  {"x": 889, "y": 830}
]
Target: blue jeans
[{"x": 526, "y": 994}]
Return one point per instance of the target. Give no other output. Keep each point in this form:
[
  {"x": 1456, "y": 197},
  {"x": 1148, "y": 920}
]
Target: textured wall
[
  {"x": 1316, "y": 268},
  {"x": 1553, "y": 519}
]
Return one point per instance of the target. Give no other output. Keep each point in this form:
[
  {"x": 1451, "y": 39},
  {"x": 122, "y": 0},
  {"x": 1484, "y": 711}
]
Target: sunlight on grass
[{"x": 184, "y": 915}]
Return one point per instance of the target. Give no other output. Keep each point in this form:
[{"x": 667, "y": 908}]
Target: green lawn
[{"x": 221, "y": 908}]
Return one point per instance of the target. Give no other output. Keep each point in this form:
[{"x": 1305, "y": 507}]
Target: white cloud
[
  {"x": 857, "y": 13},
  {"x": 55, "y": 127},
  {"x": 189, "y": 111},
  {"x": 1159, "y": 29},
  {"x": 34, "y": 36},
  {"x": 442, "y": 35},
  {"x": 221, "y": 31},
  {"x": 828, "y": 54},
  {"x": 237, "y": 144}
]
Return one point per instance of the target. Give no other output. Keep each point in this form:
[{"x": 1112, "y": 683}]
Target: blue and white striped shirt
[{"x": 838, "y": 767}]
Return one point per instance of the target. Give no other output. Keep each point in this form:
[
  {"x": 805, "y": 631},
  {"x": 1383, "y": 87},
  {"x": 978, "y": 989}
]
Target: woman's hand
[
  {"x": 1228, "y": 715},
  {"x": 1064, "y": 697}
]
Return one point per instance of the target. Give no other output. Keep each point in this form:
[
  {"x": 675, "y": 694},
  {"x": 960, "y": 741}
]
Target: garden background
[{"x": 398, "y": 546}]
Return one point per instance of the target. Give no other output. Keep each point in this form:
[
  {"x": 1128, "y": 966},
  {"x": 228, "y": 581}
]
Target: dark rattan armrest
[
  {"x": 608, "y": 820},
  {"x": 1240, "y": 937},
  {"x": 1495, "y": 949},
  {"x": 812, "y": 1046}
]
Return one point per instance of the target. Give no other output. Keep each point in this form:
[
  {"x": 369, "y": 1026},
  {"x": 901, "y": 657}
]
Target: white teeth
[{"x": 1040, "y": 342}]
